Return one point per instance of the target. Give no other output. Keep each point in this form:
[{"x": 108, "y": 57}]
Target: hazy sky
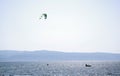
[{"x": 71, "y": 26}]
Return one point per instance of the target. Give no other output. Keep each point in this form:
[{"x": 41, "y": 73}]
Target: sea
[{"x": 60, "y": 68}]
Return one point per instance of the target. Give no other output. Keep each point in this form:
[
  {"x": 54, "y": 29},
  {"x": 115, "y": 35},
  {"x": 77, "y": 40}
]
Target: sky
[{"x": 71, "y": 25}]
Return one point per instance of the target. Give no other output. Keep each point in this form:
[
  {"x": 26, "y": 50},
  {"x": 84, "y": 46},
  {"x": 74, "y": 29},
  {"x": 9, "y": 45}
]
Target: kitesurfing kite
[{"x": 43, "y": 15}]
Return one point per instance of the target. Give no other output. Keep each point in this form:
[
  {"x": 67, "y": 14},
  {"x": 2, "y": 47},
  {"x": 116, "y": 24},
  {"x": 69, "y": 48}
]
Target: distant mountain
[{"x": 44, "y": 55}]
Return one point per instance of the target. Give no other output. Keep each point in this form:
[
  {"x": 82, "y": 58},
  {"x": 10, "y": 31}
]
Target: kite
[{"x": 43, "y": 15}]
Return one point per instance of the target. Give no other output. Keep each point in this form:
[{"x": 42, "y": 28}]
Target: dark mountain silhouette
[{"x": 44, "y": 55}]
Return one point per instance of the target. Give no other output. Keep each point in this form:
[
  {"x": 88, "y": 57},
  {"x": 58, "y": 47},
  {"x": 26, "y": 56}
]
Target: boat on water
[{"x": 88, "y": 65}]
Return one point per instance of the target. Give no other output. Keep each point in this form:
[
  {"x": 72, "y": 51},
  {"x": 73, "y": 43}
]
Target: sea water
[{"x": 60, "y": 68}]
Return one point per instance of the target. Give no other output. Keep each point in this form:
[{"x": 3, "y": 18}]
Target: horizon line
[{"x": 63, "y": 51}]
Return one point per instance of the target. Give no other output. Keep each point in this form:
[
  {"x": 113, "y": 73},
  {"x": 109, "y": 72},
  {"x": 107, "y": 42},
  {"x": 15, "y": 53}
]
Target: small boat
[{"x": 88, "y": 65}]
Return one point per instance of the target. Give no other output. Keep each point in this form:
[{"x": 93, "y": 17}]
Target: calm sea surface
[{"x": 60, "y": 68}]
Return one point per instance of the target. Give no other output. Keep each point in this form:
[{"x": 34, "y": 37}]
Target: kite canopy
[{"x": 43, "y": 15}]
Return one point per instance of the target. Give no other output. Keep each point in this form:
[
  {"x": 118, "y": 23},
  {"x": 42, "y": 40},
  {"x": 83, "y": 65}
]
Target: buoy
[{"x": 47, "y": 64}]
